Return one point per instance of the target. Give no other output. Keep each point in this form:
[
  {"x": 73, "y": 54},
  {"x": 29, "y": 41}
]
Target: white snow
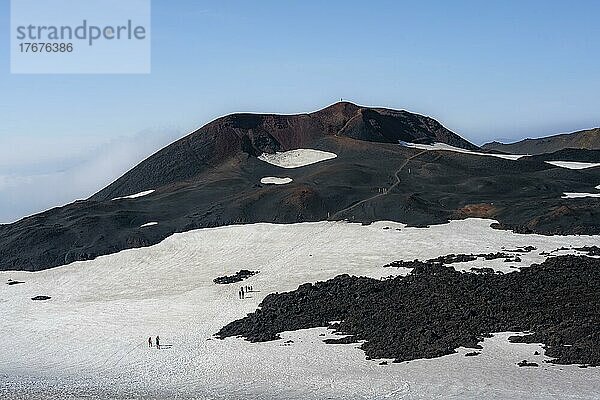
[
  {"x": 570, "y": 195},
  {"x": 446, "y": 147},
  {"x": 275, "y": 180},
  {"x": 135, "y": 196},
  {"x": 296, "y": 158},
  {"x": 90, "y": 338},
  {"x": 149, "y": 224},
  {"x": 573, "y": 164},
  {"x": 574, "y": 195}
]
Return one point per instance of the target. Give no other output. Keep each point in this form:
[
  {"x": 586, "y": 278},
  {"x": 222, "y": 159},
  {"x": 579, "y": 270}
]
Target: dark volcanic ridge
[
  {"x": 235, "y": 135},
  {"x": 587, "y": 139},
  {"x": 435, "y": 309},
  {"x": 575, "y": 155},
  {"x": 212, "y": 178}
]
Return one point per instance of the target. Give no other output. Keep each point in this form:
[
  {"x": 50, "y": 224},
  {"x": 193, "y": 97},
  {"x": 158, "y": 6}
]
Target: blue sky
[{"x": 486, "y": 70}]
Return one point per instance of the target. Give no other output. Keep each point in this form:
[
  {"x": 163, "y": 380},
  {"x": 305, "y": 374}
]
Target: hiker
[
  {"x": 150, "y": 341},
  {"x": 157, "y": 342}
]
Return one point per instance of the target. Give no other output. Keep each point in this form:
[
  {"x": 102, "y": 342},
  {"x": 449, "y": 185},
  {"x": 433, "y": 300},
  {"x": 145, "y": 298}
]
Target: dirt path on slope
[{"x": 396, "y": 175}]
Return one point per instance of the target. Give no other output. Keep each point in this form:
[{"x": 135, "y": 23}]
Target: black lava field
[{"x": 436, "y": 309}]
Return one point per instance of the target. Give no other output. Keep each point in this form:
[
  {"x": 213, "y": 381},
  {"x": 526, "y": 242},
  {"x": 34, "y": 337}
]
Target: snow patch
[
  {"x": 296, "y": 158},
  {"x": 573, "y": 164},
  {"x": 149, "y": 224},
  {"x": 273, "y": 180},
  {"x": 446, "y": 147},
  {"x": 569, "y": 195},
  {"x": 135, "y": 196}
]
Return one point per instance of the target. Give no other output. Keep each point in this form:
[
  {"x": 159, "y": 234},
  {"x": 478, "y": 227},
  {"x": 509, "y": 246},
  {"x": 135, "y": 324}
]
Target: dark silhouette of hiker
[
  {"x": 157, "y": 342},
  {"x": 150, "y": 341}
]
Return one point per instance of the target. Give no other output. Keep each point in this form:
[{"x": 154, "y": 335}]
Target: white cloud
[{"x": 49, "y": 173}]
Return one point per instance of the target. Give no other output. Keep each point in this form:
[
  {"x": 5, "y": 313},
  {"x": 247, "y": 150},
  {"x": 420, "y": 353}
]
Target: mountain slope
[
  {"x": 587, "y": 139},
  {"x": 213, "y": 178},
  {"x": 232, "y": 136}
]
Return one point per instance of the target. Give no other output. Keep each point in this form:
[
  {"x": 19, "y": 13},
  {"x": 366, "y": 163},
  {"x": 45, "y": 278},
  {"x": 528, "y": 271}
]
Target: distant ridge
[{"x": 587, "y": 139}]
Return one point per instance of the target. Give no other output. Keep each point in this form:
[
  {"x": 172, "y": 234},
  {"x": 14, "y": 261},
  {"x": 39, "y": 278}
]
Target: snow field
[
  {"x": 92, "y": 334},
  {"x": 446, "y": 147}
]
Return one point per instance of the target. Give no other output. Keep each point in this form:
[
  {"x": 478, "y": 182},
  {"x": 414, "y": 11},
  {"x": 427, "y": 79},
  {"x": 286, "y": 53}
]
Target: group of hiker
[
  {"x": 244, "y": 290},
  {"x": 157, "y": 341}
]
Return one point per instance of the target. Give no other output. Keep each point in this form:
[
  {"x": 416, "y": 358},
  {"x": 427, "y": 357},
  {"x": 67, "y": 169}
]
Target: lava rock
[
  {"x": 522, "y": 249},
  {"x": 41, "y": 298},
  {"x": 403, "y": 264},
  {"x": 590, "y": 250},
  {"x": 526, "y": 363},
  {"x": 436, "y": 309},
  {"x": 483, "y": 270},
  {"x": 493, "y": 256},
  {"x": 453, "y": 258},
  {"x": 237, "y": 277}
]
